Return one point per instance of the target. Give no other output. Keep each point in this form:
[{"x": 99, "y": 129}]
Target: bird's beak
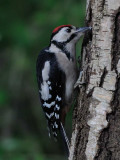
[{"x": 83, "y": 29}]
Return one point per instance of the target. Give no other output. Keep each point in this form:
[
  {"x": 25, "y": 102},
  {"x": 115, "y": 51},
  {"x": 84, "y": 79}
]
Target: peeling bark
[{"x": 96, "y": 119}]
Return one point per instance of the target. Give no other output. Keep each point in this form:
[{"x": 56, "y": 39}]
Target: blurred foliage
[{"x": 25, "y": 28}]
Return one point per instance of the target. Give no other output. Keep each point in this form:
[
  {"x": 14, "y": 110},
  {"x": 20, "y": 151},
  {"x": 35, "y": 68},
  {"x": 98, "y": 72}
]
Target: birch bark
[{"x": 96, "y": 119}]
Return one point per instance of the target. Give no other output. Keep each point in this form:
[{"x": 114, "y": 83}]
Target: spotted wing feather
[{"x": 51, "y": 83}]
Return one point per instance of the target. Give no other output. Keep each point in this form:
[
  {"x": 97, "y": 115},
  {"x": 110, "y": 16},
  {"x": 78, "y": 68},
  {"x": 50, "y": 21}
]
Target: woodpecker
[{"x": 56, "y": 75}]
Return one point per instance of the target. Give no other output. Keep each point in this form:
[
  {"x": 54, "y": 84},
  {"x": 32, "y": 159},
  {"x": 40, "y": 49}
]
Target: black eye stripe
[{"x": 71, "y": 37}]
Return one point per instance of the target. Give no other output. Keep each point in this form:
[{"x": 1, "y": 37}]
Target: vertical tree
[{"x": 96, "y": 119}]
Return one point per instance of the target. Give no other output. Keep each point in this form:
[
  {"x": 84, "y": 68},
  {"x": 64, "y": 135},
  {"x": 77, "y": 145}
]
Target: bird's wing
[{"x": 51, "y": 82}]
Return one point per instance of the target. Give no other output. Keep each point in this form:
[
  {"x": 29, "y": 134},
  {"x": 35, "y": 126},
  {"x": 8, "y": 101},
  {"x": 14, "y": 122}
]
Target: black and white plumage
[
  {"x": 57, "y": 74},
  {"x": 51, "y": 88}
]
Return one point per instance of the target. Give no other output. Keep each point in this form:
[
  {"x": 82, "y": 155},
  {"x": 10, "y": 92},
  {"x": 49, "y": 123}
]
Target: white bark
[{"x": 100, "y": 64}]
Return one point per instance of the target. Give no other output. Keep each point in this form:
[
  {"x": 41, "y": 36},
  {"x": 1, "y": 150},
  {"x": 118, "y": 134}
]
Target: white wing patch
[
  {"x": 54, "y": 133},
  {"x": 50, "y": 88},
  {"x": 45, "y": 95},
  {"x": 44, "y": 91},
  {"x": 57, "y": 107},
  {"x": 50, "y": 115},
  {"x": 58, "y": 98},
  {"x": 49, "y": 105},
  {"x": 56, "y": 116},
  {"x": 45, "y": 71},
  {"x": 55, "y": 125},
  {"x": 48, "y": 82}
]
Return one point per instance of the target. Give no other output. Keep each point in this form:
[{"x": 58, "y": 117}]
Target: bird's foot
[{"x": 80, "y": 82}]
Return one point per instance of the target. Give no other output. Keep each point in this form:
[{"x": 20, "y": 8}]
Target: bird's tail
[{"x": 65, "y": 138}]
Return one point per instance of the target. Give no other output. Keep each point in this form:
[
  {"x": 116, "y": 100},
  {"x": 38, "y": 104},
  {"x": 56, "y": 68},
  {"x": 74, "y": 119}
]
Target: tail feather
[
  {"x": 64, "y": 137},
  {"x": 63, "y": 134}
]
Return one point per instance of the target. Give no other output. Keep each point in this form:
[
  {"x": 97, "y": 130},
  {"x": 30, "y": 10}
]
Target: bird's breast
[{"x": 69, "y": 67}]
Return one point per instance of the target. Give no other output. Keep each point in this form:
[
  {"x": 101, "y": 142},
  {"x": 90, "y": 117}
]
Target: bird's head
[{"x": 68, "y": 33}]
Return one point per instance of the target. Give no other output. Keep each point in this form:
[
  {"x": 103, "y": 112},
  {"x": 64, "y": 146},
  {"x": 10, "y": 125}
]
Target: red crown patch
[{"x": 57, "y": 28}]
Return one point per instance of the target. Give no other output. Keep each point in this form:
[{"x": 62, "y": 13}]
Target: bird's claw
[{"x": 80, "y": 82}]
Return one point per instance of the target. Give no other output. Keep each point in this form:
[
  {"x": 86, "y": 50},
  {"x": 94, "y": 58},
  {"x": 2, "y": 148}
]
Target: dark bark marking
[
  {"x": 116, "y": 42},
  {"x": 83, "y": 128},
  {"x": 103, "y": 77}
]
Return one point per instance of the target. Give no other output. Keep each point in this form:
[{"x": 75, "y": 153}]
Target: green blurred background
[{"x": 25, "y": 28}]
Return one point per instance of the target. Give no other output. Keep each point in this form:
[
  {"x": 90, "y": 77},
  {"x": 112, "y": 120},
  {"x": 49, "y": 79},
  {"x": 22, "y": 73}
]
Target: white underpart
[
  {"x": 49, "y": 116},
  {"x": 44, "y": 86},
  {"x": 70, "y": 48},
  {"x": 49, "y": 105},
  {"x": 58, "y": 98},
  {"x": 68, "y": 66},
  {"x": 70, "y": 70}
]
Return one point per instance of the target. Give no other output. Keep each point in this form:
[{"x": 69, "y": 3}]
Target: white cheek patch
[{"x": 62, "y": 35}]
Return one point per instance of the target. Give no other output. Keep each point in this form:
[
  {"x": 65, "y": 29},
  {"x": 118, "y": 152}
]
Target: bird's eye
[{"x": 68, "y": 30}]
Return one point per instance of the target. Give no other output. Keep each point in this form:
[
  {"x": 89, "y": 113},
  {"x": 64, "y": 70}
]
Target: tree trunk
[{"x": 96, "y": 119}]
